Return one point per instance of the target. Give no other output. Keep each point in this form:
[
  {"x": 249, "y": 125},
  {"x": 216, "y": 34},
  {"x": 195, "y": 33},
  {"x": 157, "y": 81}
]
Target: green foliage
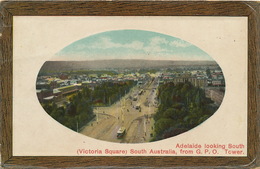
[
  {"x": 75, "y": 114},
  {"x": 163, "y": 124},
  {"x": 208, "y": 73},
  {"x": 182, "y": 107},
  {"x": 78, "y": 112},
  {"x": 108, "y": 93}
]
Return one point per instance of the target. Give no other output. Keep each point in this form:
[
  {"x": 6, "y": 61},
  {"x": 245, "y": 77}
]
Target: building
[
  {"x": 67, "y": 90},
  {"x": 214, "y": 94},
  {"x": 43, "y": 93}
]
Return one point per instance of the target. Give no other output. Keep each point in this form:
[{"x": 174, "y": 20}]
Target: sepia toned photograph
[
  {"x": 130, "y": 86},
  {"x": 104, "y": 86}
]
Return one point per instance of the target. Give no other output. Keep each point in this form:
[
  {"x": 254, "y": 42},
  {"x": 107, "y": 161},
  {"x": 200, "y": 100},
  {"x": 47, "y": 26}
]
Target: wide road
[{"x": 137, "y": 121}]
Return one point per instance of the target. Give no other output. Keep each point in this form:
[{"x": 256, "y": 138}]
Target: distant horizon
[{"x": 120, "y": 63}]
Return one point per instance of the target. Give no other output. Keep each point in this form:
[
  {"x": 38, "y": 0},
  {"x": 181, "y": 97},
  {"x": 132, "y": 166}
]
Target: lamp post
[
  {"x": 97, "y": 115},
  {"x": 77, "y": 126},
  {"x": 144, "y": 126}
]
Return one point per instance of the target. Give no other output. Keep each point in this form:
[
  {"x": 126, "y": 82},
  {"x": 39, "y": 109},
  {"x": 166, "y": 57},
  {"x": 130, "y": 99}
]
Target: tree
[
  {"x": 71, "y": 109},
  {"x": 182, "y": 107},
  {"x": 163, "y": 124}
]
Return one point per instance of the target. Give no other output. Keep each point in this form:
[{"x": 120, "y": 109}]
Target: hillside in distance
[{"x": 53, "y": 66}]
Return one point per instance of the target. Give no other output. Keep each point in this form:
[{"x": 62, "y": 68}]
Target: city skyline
[{"x": 130, "y": 86}]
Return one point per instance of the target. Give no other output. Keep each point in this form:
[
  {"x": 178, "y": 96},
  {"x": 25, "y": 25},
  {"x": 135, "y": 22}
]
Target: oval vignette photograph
[{"x": 130, "y": 86}]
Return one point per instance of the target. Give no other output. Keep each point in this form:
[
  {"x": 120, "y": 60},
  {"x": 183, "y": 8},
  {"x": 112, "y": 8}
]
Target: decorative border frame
[{"x": 125, "y": 8}]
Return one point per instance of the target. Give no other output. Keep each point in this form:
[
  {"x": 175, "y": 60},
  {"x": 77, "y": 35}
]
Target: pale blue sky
[{"x": 131, "y": 44}]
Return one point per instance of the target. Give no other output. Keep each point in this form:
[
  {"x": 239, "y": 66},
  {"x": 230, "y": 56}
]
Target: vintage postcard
[{"x": 130, "y": 86}]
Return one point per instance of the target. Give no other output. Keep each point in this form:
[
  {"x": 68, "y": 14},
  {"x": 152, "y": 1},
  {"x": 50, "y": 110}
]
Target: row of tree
[
  {"x": 182, "y": 107},
  {"x": 79, "y": 110},
  {"x": 108, "y": 93},
  {"x": 73, "y": 114}
]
